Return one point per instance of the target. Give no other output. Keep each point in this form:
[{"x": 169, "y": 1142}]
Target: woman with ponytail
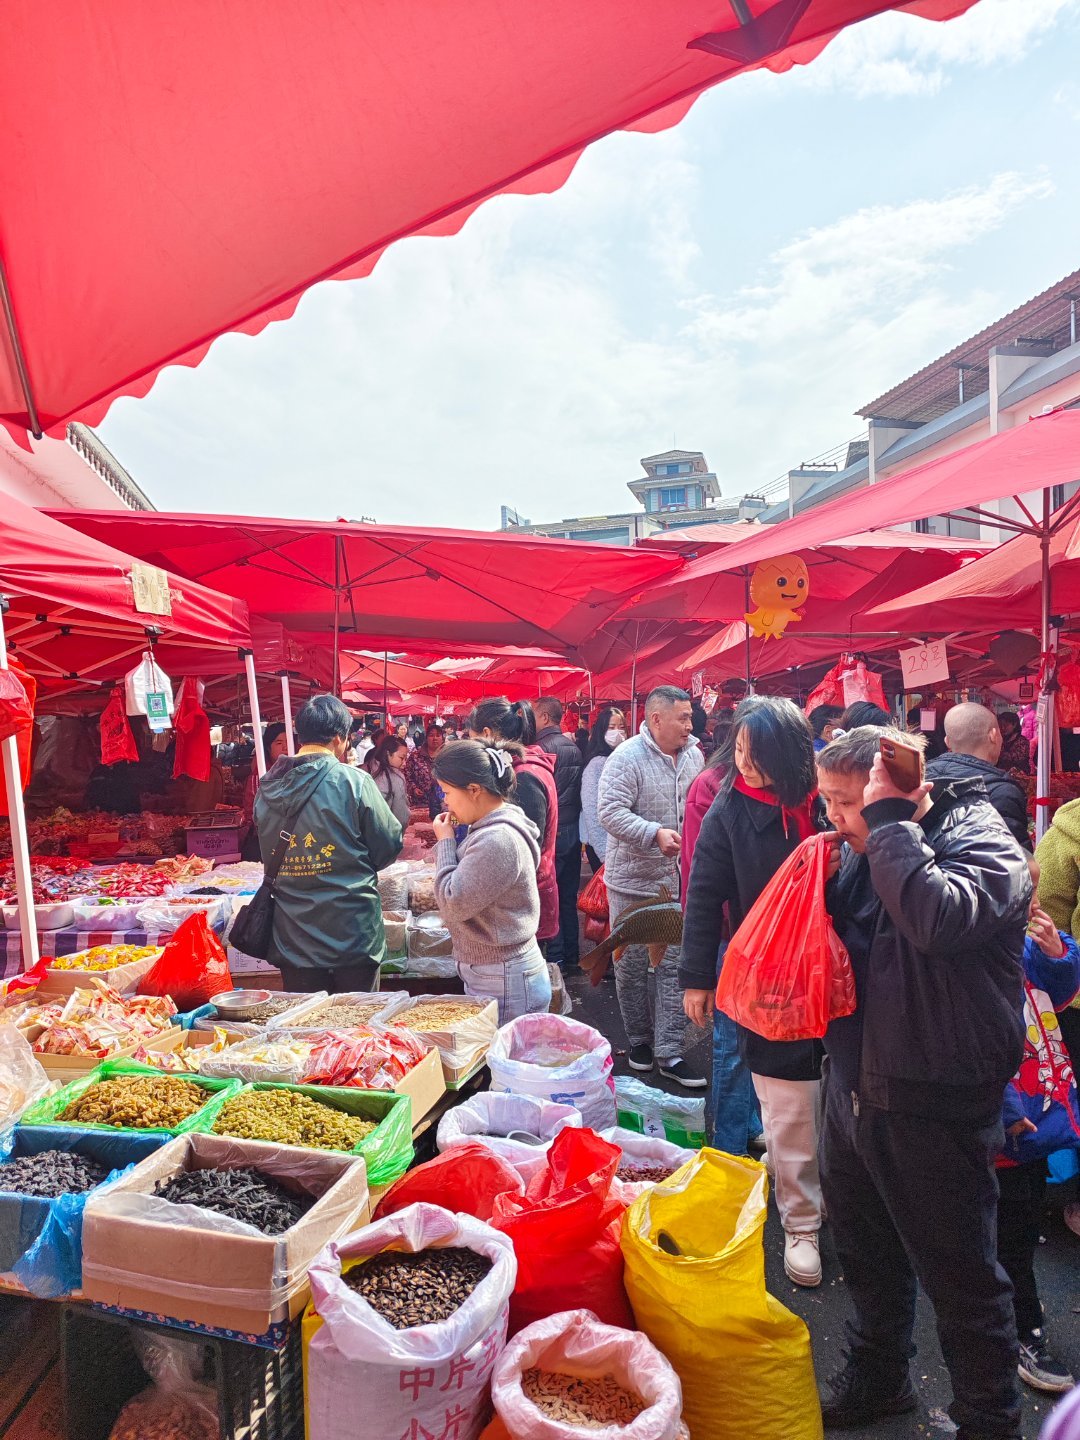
[{"x": 486, "y": 885}]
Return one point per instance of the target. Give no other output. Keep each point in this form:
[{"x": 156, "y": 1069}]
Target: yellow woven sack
[{"x": 743, "y": 1358}]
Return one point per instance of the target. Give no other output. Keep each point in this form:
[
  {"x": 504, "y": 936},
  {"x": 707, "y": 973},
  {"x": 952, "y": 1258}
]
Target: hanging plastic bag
[
  {"x": 565, "y": 1230},
  {"x": 862, "y": 684},
  {"x": 179, "y": 1402},
  {"x": 193, "y": 967},
  {"x": 192, "y": 727},
  {"x": 465, "y": 1180},
  {"x": 555, "y": 1058},
  {"x": 117, "y": 741},
  {"x": 786, "y": 972},
  {"x": 576, "y": 1343},
  {"x": 148, "y": 691},
  {"x": 492, "y": 1119},
  {"x": 16, "y": 707},
  {"x": 648, "y": 1111},
  {"x": 743, "y": 1359},
  {"x": 593, "y": 900},
  {"x": 364, "y": 1376},
  {"x": 17, "y": 674},
  {"x": 1067, "y": 700}
]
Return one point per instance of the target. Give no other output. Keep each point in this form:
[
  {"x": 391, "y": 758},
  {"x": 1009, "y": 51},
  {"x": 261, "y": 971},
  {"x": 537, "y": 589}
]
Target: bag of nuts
[
  {"x": 411, "y": 1349},
  {"x": 570, "y": 1376}
]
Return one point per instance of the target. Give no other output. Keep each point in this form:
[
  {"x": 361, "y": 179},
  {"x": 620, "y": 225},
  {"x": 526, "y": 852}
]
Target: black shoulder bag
[{"x": 253, "y": 929}]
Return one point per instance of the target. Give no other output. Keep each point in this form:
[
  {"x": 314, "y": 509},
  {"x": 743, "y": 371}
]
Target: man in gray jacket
[{"x": 641, "y": 806}]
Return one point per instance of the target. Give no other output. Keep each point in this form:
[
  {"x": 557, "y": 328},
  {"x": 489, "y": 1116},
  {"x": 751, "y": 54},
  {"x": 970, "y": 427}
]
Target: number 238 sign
[{"x": 924, "y": 665}]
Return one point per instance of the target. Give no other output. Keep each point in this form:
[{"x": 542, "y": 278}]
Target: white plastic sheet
[
  {"x": 552, "y": 1057},
  {"x": 491, "y": 1118}
]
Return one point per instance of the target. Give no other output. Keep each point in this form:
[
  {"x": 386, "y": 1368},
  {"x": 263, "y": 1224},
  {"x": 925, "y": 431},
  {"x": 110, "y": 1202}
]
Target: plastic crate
[{"x": 260, "y": 1392}]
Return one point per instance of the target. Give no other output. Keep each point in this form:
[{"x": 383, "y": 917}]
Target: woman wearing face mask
[
  {"x": 608, "y": 731},
  {"x": 386, "y": 766},
  {"x": 767, "y": 805},
  {"x": 486, "y": 885}
]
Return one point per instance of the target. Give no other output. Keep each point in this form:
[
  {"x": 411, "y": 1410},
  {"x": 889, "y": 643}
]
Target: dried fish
[{"x": 244, "y": 1193}]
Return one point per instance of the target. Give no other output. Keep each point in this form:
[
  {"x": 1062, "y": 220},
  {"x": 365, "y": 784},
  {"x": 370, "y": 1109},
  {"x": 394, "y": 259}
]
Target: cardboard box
[
  {"x": 237, "y": 1282},
  {"x": 122, "y": 978},
  {"x": 301, "y": 1019},
  {"x": 462, "y": 1047},
  {"x": 424, "y": 1083},
  {"x": 176, "y": 1039},
  {"x": 70, "y": 1067}
]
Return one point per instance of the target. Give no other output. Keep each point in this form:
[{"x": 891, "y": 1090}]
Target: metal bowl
[{"x": 236, "y": 1004}]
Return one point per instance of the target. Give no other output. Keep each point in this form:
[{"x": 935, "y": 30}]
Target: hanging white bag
[
  {"x": 148, "y": 691},
  {"x": 363, "y": 1376},
  {"x": 555, "y": 1058}
]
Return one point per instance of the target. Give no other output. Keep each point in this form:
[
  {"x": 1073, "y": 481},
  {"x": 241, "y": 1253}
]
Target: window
[
  {"x": 682, "y": 468},
  {"x": 674, "y": 498},
  {"x": 922, "y": 527}
]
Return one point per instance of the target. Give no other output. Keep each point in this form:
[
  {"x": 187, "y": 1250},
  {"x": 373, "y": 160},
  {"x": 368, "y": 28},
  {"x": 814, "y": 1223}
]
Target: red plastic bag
[
  {"x": 786, "y": 972},
  {"x": 16, "y": 708},
  {"x": 192, "y": 968},
  {"x": 191, "y": 726},
  {"x": 17, "y": 674},
  {"x": 566, "y": 1232},
  {"x": 466, "y": 1180},
  {"x": 845, "y": 683},
  {"x": 1067, "y": 700},
  {"x": 117, "y": 741},
  {"x": 593, "y": 901}
]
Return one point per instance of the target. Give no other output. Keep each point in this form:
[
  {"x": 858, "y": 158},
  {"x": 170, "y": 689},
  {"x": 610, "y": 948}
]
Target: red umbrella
[
  {"x": 221, "y": 159},
  {"x": 394, "y": 583}
]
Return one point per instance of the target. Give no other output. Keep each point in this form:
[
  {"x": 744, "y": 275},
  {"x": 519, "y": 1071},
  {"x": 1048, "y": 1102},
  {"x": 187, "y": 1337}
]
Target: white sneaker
[{"x": 802, "y": 1260}]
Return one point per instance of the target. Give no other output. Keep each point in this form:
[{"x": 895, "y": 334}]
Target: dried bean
[
  {"x": 643, "y": 1173},
  {"x": 418, "y": 1289},
  {"x": 243, "y": 1193},
  {"x": 436, "y": 1015},
  {"x": 269, "y": 1008},
  {"x": 588, "y": 1403},
  {"x": 51, "y": 1173},
  {"x": 137, "y": 1102},
  {"x": 289, "y": 1118},
  {"x": 340, "y": 1017}
]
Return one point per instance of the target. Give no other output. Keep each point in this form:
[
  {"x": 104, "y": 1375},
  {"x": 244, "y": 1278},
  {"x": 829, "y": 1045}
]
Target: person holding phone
[{"x": 930, "y": 895}]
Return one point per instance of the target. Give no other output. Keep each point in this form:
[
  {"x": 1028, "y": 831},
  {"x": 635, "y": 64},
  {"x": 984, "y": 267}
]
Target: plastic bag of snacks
[
  {"x": 428, "y": 1372},
  {"x": 570, "y": 1375},
  {"x": 422, "y": 892},
  {"x": 555, "y": 1058},
  {"x": 280, "y": 1057},
  {"x": 393, "y": 885},
  {"x": 465, "y": 1180},
  {"x": 368, "y": 1057},
  {"x": 737, "y": 1351},
  {"x": 178, "y": 1406},
  {"x": 645, "y": 1160},
  {"x": 22, "y": 1080},
  {"x": 516, "y": 1127},
  {"x": 427, "y": 938},
  {"x": 676, "y": 1118},
  {"x": 565, "y": 1230},
  {"x": 193, "y": 967}
]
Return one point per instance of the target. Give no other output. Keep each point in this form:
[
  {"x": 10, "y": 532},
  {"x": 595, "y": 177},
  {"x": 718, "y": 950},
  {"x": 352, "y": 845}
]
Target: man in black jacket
[
  {"x": 974, "y": 744},
  {"x": 563, "y": 949},
  {"x": 931, "y": 899}
]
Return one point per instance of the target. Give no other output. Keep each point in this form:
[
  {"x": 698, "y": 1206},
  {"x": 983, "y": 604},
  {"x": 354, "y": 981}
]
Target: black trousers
[
  {"x": 343, "y": 979},
  {"x": 912, "y": 1198},
  {"x": 1020, "y": 1211},
  {"x": 563, "y": 949}
]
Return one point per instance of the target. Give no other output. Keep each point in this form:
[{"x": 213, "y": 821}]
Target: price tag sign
[
  {"x": 150, "y": 589},
  {"x": 924, "y": 665},
  {"x": 157, "y": 710}
]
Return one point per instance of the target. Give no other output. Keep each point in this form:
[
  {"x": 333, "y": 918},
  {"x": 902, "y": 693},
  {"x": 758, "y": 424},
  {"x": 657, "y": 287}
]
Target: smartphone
[{"x": 903, "y": 762}]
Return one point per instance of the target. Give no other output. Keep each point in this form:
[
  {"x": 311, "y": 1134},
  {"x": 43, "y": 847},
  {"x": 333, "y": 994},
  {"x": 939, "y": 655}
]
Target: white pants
[{"x": 789, "y": 1117}]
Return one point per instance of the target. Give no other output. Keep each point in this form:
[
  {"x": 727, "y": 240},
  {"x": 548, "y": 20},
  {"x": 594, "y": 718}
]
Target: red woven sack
[
  {"x": 786, "y": 972},
  {"x": 593, "y": 901},
  {"x": 192, "y": 968}
]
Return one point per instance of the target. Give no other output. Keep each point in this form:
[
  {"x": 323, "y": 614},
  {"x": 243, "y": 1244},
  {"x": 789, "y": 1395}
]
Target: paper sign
[
  {"x": 150, "y": 588},
  {"x": 924, "y": 665},
  {"x": 928, "y": 721},
  {"x": 697, "y": 684}
]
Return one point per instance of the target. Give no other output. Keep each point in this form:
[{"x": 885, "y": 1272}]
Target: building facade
[{"x": 77, "y": 473}]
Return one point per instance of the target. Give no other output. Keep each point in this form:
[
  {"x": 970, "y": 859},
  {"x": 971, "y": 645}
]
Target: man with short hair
[
  {"x": 328, "y": 929},
  {"x": 641, "y": 805},
  {"x": 563, "y": 948},
  {"x": 973, "y": 740},
  {"x": 931, "y": 900}
]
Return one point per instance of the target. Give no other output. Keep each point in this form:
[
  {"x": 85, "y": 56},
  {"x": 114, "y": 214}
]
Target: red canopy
[
  {"x": 394, "y": 583},
  {"x": 220, "y": 159}
]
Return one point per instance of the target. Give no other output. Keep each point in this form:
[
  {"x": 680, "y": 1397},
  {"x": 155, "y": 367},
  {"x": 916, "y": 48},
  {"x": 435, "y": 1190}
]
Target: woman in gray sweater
[{"x": 486, "y": 886}]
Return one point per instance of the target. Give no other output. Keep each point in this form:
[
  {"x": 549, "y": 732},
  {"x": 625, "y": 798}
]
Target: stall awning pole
[
  {"x": 286, "y": 705},
  {"x": 20, "y": 844},
  {"x": 1045, "y": 711},
  {"x": 256, "y": 715}
]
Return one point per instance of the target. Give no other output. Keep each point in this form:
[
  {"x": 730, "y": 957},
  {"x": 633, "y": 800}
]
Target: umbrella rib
[{"x": 19, "y": 354}]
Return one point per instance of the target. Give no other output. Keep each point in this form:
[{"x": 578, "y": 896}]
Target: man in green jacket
[{"x": 328, "y": 928}]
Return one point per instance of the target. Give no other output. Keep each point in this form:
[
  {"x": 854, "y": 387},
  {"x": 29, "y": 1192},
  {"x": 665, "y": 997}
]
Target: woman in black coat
[{"x": 767, "y": 805}]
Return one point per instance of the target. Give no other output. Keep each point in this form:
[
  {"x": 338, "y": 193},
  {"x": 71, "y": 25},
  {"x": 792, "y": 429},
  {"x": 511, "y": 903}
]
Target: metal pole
[
  {"x": 1045, "y": 710},
  {"x": 286, "y": 705},
  {"x": 749, "y": 659},
  {"x": 337, "y": 616},
  {"x": 256, "y": 716},
  {"x": 633, "y": 696},
  {"x": 20, "y": 844},
  {"x": 385, "y": 689},
  {"x": 18, "y": 354}
]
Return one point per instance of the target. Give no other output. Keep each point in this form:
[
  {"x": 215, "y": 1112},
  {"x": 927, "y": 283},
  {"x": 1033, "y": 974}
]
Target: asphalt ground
[{"x": 826, "y": 1308}]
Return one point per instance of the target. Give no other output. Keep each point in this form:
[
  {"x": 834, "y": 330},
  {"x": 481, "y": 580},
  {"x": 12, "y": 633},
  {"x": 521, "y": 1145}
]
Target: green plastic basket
[{"x": 49, "y": 1110}]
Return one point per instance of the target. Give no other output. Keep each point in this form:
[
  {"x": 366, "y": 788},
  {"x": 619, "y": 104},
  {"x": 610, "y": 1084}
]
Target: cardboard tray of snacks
[
  {"x": 423, "y": 1084},
  {"x": 387, "y": 1151},
  {"x": 306, "y": 1017},
  {"x": 247, "y": 1028},
  {"x": 122, "y": 978},
  {"x": 71, "y": 1067},
  {"x": 139, "y": 1257},
  {"x": 462, "y": 1044},
  {"x": 49, "y": 1110},
  {"x": 171, "y": 1041}
]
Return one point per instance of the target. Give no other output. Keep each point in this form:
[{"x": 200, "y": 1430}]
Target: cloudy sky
[{"x": 738, "y": 285}]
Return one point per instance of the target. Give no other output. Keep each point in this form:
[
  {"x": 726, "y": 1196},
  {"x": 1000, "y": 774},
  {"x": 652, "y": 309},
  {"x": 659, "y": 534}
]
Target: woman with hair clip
[
  {"x": 767, "y": 805},
  {"x": 486, "y": 886},
  {"x": 386, "y": 766},
  {"x": 495, "y": 722}
]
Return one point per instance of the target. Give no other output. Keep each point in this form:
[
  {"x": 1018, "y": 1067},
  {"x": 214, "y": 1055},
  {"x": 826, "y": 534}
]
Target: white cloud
[{"x": 899, "y": 55}]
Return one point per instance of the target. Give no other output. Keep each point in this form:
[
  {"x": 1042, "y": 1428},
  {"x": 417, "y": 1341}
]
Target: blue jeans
[{"x": 735, "y": 1116}]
